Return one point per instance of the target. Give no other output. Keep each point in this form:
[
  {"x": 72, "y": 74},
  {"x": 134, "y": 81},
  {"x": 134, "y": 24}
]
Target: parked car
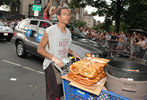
[
  {"x": 5, "y": 32},
  {"x": 28, "y": 43}
]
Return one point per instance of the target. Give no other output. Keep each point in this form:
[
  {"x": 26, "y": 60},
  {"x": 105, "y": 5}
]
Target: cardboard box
[{"x": 94, "y": 89}]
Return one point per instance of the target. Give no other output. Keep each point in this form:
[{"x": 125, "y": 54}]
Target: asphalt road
[{"x": 20, "y": 79}]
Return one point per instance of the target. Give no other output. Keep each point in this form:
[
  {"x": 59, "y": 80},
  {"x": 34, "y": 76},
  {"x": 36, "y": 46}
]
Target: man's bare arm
[
  {"x": 70, "y": 51},
  {"x": 41, "y": 48}
]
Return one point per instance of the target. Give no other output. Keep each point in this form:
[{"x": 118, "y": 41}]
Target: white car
[{"x": 5, "y": 32}]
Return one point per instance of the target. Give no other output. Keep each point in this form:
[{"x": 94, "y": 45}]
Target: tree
[
  {"x": 131, "y": 13},
  {"x": 136, "y": 15},
  {"x": 108, "y": 25},
  {"x": 99, "y": 27},
  {"x": 78, "y": 23},
  {"x": 114, "y": 11},
  {"x": 14, "y": 4}
]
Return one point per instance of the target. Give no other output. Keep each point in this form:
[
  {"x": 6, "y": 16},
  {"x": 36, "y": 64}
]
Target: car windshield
[
  {"x": 75, "y": 32},
  {"x": 1, "y": 24}
]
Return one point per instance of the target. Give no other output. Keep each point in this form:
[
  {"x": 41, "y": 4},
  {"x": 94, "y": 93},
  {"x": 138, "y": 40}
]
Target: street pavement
[
  {"x": 20, "y": 79},
  {"x": 23, "y": 78}
]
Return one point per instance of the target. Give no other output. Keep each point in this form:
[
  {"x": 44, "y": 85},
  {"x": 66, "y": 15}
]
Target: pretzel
[
  {"x": 87, "y": 71},
  {"x": 82, "y": 80},
  {"x": 74, "y": 69}
]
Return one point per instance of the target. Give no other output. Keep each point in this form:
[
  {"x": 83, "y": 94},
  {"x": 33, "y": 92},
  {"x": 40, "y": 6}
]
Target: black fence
[{"x": 126, "y": 49}]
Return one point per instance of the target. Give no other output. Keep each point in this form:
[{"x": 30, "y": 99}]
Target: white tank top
[{"x": 59, "y": 43}]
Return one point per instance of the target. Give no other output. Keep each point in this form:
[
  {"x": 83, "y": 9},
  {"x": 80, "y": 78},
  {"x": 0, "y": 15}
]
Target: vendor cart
[{"x": 74, "y": 93}]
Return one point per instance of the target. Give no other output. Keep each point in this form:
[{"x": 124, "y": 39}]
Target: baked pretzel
[
  {"x": 82, "y": 80},
  {"x": 87, "y": 72},
  {"x": 100, "y": 60}
]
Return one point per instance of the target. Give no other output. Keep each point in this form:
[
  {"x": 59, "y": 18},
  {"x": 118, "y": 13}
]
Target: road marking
[
  {"x": 33, "y": 70},
  {"x": 29, "y": 69},
  {"x": 11, "y": 63},
  {"x": 40, "y": 72}
]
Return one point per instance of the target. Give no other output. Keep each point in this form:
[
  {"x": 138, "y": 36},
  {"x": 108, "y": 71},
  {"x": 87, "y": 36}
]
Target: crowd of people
[
  {"x": 133, "y": 43},
  {"x": 10, "y": 23}
]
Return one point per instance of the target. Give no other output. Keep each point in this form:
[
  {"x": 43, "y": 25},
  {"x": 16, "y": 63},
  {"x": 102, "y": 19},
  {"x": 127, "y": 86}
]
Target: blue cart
[{"x": 73, "y": 93}]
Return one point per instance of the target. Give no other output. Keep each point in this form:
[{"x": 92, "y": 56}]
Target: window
[
  {"x": 23, "y": 24},
  {"x": 44, "y": 25},
  {"x": 33, "y": 22}
]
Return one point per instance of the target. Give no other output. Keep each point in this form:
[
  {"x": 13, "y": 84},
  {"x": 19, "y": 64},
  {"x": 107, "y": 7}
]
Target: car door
[
  {"x": 37, "y": 36},
  {"x": 33, "y": 28},
  {"x": 20, "y": 31}
]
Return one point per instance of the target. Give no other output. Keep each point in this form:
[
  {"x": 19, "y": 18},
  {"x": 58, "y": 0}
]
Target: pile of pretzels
[{"x": 88, "y": 71}]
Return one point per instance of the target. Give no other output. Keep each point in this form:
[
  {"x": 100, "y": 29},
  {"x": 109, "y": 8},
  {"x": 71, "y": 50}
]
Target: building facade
[
  {"x": 26, "y": 6},
  {"x": 89, "y": 19},
  {"x": 26, "y": 9}
]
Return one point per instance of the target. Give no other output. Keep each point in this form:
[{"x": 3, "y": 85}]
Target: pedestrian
[
  {"x": 46, "y": 15},
  {"x": 54, "y": 46}
]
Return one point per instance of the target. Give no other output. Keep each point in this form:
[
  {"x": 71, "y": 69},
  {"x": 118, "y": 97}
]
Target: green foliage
[
  {"x": 136, "y": 15},
  {"x": 127, "y": 14},
  {"x": 113, "y": 11},
  {"x": 102, "y": 27},
  {"x": 93, "y": 13},
  {"x": 124, "y": 27},
  {"x": 108, "y": 26},
  {"x": 76, "y": 4},
  {"x": 78, "y": 23},
  {"x": 99, "y": 27}
]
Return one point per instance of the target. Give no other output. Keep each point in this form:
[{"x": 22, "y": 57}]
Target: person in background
[
  {"x": 46, "y": 15},
  {"x": 53, "y": 12},
  {"x": 107, "y": 38},
  {"x": 120, "y": 45},
  {"x": 141, "y": 45},
  {"x": 55, "y": 46},
  {"x": 133, "y": 46}
]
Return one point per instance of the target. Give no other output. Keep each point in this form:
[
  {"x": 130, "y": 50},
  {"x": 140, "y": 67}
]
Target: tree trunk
[
  {"x": 118, "y": 13},
  {"x": 13, "y": 8},
  {"x": 117, "y": 25}
]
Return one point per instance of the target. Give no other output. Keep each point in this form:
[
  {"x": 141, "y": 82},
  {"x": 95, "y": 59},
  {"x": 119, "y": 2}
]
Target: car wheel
[
  {"x": 20, "y": 49},
  {"x": 9, "y": 39}
]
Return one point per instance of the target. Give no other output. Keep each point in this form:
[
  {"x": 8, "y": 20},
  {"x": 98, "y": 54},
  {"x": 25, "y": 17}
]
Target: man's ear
[{"x": 58, "y": 17}]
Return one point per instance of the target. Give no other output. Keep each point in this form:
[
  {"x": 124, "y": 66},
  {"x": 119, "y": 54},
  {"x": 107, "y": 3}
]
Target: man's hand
[
  {"x": 76, "y": 56},
  {"x": 58, "y": 62}
]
